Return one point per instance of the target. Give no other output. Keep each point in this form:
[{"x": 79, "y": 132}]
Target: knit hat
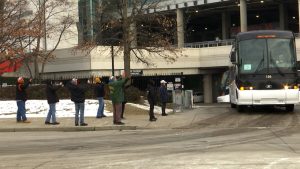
[
  {"x": 112, "y": 79},
  {"x": 20, "y": 80},
  {"x": 74, "y": 81},
  {"x": 163, "y": 81},
  {"x": 97, "y": 80}
]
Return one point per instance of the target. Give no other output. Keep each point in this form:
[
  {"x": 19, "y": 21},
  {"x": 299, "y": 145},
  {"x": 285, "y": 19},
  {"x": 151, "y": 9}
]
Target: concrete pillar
[
  {"x": 243, "y": 15},
  {"x": 180, "y": 28},
  {"x": 207, "y": 88},
  {"x": 225, "y": 25},
  {"x": 282, "y": 16}
]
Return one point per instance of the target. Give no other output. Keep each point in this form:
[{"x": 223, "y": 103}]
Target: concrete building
[{"x": 205, "y": 29}]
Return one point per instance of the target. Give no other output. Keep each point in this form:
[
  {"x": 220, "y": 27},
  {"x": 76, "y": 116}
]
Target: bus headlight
[
  {"x": 290, "y": 87},
  {"x": 246, "y": 88}
]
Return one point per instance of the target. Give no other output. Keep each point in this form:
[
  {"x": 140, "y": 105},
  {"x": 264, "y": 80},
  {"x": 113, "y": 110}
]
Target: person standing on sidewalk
[
  {"x": 125, "y": 100},
  {"x": 78, "y": 97},
  {"x": 21, "y": 97},
  {"x": 151, "y": 99},
  {"x": 163, "y": 97},
  {"x": 100, "y": 93},
  {"x": 52, "y": 99},
  {"x": 117, "y": 97}
]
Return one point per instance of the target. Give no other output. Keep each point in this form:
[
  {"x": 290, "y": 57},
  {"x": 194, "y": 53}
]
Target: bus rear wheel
[{"x": 289, "y": 108}]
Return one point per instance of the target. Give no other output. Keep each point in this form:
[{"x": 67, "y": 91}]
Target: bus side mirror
[{"x": 233, "y": 57}]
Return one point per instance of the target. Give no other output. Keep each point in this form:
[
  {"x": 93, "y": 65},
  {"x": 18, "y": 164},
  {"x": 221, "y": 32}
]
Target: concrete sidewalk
[{"x": 132, "y": 122}]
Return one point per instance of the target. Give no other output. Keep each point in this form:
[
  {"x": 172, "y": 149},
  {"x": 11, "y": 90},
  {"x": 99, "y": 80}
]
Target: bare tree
[
  {"x": 136, "y": 28},
  {"x": 13, "y": 29},
  {"x": 25, "y": 24},
  {"x": 51, "y": 20}
]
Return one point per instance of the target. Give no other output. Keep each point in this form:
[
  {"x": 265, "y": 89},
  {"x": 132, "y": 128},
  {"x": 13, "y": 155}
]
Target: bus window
[
  {"x": 253, "y": 55},
  {"x": 281, "y": 53}
]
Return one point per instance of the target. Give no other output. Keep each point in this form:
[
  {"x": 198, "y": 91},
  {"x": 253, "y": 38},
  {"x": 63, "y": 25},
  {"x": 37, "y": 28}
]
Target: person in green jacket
[{"x": 117, "y": 97}]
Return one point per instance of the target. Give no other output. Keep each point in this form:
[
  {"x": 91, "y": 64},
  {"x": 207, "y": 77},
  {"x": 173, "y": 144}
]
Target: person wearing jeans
[
  {"x": 52, "y": 99},
  {"x": 21, "y": 113},
  {"x": 100, "y": 112},
  {"x": 51, "y": 115},
  {"x": 21, "y": 97},
  {"x": 78, "y": 97},
  {"x": 79, "y": 108},
  {"x": 100, "y": 93}
]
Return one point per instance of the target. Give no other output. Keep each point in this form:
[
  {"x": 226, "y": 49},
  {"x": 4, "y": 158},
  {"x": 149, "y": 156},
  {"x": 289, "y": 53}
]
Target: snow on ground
[
  {"x": 64, "y": 108},
  {"x": 39, "y": 108}
]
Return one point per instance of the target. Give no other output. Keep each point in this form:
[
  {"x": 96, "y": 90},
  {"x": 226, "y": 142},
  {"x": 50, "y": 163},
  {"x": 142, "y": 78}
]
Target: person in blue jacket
[{"x": 163, "y": 97}]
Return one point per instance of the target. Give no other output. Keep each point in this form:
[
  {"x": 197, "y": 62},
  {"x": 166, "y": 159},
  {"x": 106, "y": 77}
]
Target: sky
[{"x": 64, "y": 108}]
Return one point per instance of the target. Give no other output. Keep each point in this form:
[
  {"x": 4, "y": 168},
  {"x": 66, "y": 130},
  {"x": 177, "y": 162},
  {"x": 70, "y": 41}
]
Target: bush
[{"x": 133, "y": 94}]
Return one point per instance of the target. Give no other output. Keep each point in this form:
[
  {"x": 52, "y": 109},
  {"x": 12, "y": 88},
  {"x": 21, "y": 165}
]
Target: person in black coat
[
  {"x": 78, "y": 97},
  {"x": 52, "y": 99},
  {"x": 100, "y": 93},
  {"x": 125, "y": 100},
  {"x": 151, "y": 99},
  {"x": 21, "y": 97}
]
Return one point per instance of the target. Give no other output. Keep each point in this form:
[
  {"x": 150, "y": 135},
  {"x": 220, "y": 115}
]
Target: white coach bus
[{"x": 264, "y": 70}]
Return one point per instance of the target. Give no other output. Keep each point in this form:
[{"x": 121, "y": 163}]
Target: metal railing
[{"x": 206, "y": 44}]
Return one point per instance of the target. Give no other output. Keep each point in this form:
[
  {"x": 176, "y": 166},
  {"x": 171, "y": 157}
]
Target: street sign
[{"x": 136, "y": 72}]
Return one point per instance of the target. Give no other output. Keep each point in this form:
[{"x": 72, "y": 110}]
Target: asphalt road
[{"x": 219, "y": 138}]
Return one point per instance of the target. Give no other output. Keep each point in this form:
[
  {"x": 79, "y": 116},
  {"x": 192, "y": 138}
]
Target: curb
[{"x": 69, "y": 129}]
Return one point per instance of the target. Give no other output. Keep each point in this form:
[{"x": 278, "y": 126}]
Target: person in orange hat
[
  {"x": 21, "y": 97},
  {"x": 100, "y": 93}
]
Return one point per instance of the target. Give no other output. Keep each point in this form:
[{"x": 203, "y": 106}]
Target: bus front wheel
[
  {"x": 240, "y": 108},
  {"x": 289, "y": 107}
]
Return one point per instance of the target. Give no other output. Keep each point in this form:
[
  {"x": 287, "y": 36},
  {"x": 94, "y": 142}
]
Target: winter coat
[
  {"x": 163, "y": 94},
  {"x": 77, "y": 92},
  {"x": 99, "y": 90},
  {"x": 151, "y": 94},
  {"x": 51, "y": 93},
  {"x": 21, "y": 91},
  {"x": 116, "y": 89}
]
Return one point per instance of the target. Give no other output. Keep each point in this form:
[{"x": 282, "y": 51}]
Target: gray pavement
[{"x": 132, "y": 122}]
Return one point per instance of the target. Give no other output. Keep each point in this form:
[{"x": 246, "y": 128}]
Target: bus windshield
[{"x": 261, "y": 56}]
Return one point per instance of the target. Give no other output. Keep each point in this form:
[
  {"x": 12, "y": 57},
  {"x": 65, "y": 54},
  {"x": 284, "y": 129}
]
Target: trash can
[
  {"x": 188, "y": 99},
  {"x": 177, "y": 100}
]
